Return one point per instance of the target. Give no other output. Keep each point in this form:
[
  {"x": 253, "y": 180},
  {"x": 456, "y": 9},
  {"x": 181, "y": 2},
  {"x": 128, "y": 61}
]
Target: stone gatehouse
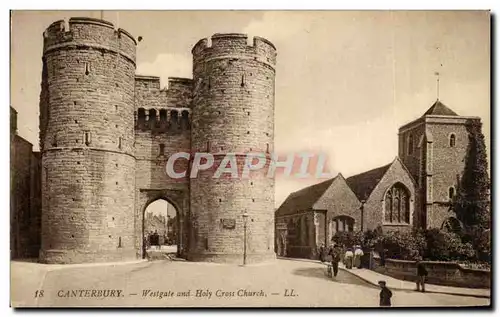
[{"x": 106, "y": 134}]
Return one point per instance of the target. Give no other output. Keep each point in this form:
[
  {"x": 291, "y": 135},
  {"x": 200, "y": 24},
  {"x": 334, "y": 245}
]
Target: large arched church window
[{"x": 397, "y": 204}]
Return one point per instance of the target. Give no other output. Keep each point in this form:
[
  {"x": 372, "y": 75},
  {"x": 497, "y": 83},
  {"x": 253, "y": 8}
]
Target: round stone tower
[
  {"x": 233, "y": 113},
  {"x": 87, "y": 140}
]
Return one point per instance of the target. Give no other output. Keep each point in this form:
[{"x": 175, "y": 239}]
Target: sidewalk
[
  {"x": 373, "y": 277},
  {"x": 50, "y": 267}
]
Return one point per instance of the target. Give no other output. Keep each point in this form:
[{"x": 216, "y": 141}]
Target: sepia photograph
[{"x": 250, "y": 159}]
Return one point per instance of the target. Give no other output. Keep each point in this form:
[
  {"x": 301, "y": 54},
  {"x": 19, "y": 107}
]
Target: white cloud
[
  {"x": 167, "y": 65},
  {"x": 278, "y": 25}
]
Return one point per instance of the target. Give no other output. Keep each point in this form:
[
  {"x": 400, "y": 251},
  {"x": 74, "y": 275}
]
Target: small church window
[
  {"x": 452, "y": 140},
  {"x": 162, "y": 149},
  {"x": 410, "y": 144}
]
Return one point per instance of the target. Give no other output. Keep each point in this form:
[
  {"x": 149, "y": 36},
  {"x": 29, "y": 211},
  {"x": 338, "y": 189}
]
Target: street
[{"x": 283, "y": 283}]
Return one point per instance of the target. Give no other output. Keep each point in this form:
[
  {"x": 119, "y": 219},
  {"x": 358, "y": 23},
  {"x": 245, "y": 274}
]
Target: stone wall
[
  {"x": 439, "y": 273},
  {"x": 24, "y": 199},
  {"x": 162, "y": 128},
  {"x": 302, "y": 233},
  {"x": 88, "y": 163},
  {"x": 447, "y": 167}
]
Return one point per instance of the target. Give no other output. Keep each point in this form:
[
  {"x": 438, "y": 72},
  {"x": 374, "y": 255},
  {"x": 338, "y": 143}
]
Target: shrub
[
  {"x": 348, "y": 239},
  {"x": 446, "y": 246},
  {"x": 402, "y": 245}
]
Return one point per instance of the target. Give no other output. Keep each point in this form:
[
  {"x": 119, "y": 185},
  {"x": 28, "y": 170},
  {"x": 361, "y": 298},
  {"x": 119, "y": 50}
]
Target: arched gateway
[{"x": 179, "y": 200}]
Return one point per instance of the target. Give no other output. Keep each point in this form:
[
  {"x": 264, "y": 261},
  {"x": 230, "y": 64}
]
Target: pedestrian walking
[
  {"x": 349, "y": 255},
  {"x": 358, "y": 253},
  {"x": 335, "y": 253},
  {"x": 156, "y": 239},
  {"x": 421, "y": 274},
  {"x": 321, "y": 252},
  {"x": 385, "y": 295}
]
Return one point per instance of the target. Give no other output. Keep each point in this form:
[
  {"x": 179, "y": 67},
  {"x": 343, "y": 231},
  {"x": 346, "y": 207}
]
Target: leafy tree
[{"x": 472, "y": 202}]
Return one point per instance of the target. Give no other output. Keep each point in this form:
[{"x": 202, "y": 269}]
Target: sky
[{"x": 345, "y": 80}]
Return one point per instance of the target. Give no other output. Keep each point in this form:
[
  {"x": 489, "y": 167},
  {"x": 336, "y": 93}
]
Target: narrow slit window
[
  {"x": 87, "y": 68},
  {"x": 120, "y": 143},
  {"x": 54, "y": 141},
  {"x": 243, "y": 80},
  {"x": 162, "y": 149},
  {"x": 87, "y": 139}
]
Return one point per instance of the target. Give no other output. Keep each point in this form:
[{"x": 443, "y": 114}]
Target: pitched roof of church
[
  {"x": 305, "y": 198},
  {"x": 438, "y": 108},
  {"x": 363, "y": 184}
]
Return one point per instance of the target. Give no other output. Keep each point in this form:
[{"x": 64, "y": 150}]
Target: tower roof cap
[{"x": 439, "y": 109}]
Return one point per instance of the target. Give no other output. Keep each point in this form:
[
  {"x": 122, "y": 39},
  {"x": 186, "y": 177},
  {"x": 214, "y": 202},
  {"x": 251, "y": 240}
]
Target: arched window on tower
[
  {"x": 397, "y": 205},
  {"x": 453, "y": 140},
  {"x": 451, "y": 192}
]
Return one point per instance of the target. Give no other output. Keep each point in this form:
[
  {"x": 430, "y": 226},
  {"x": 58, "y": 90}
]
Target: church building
[{"x": 414, "y": 190}]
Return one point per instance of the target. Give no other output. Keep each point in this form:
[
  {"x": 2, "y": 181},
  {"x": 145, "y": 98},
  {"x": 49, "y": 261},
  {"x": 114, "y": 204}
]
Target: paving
[
  {"x": 280, "y": 283},
  {"x": 373, "y": 277}
]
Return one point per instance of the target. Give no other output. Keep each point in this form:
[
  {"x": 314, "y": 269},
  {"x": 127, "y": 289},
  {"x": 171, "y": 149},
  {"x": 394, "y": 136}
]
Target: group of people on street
[
  {"x": 153, "y": 240},
  {"x": 352, "y": 258}
]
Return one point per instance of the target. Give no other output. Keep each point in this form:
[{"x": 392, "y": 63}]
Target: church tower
[{"x": 433, "y": 148}]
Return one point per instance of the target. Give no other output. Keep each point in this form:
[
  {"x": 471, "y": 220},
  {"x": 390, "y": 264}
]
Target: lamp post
[
  {"x": 245, "y": 219},
  {"x": 362, "y": 214}
]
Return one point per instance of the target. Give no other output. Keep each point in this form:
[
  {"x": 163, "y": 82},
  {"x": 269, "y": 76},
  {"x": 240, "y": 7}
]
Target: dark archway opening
[{"x": 160, "y": 228}]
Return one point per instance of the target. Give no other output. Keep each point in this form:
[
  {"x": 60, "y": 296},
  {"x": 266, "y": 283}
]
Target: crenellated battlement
[
  {"x": 91, "y": 33},
  {"x": 234, "y": 45},
  {"x": 161, "y": 120}
]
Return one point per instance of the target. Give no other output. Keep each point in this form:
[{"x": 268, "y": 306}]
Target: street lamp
[
  {"x": 245, "y": 220},
  {"x": 362, "y": 213}
]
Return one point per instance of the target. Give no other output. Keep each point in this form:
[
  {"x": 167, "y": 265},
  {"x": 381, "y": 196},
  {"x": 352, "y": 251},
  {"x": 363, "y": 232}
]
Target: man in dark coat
[
  {"x": 335, "y": 253},
  {"x": 385, "y": 295},
  {"x": 421, "y": 274}
]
